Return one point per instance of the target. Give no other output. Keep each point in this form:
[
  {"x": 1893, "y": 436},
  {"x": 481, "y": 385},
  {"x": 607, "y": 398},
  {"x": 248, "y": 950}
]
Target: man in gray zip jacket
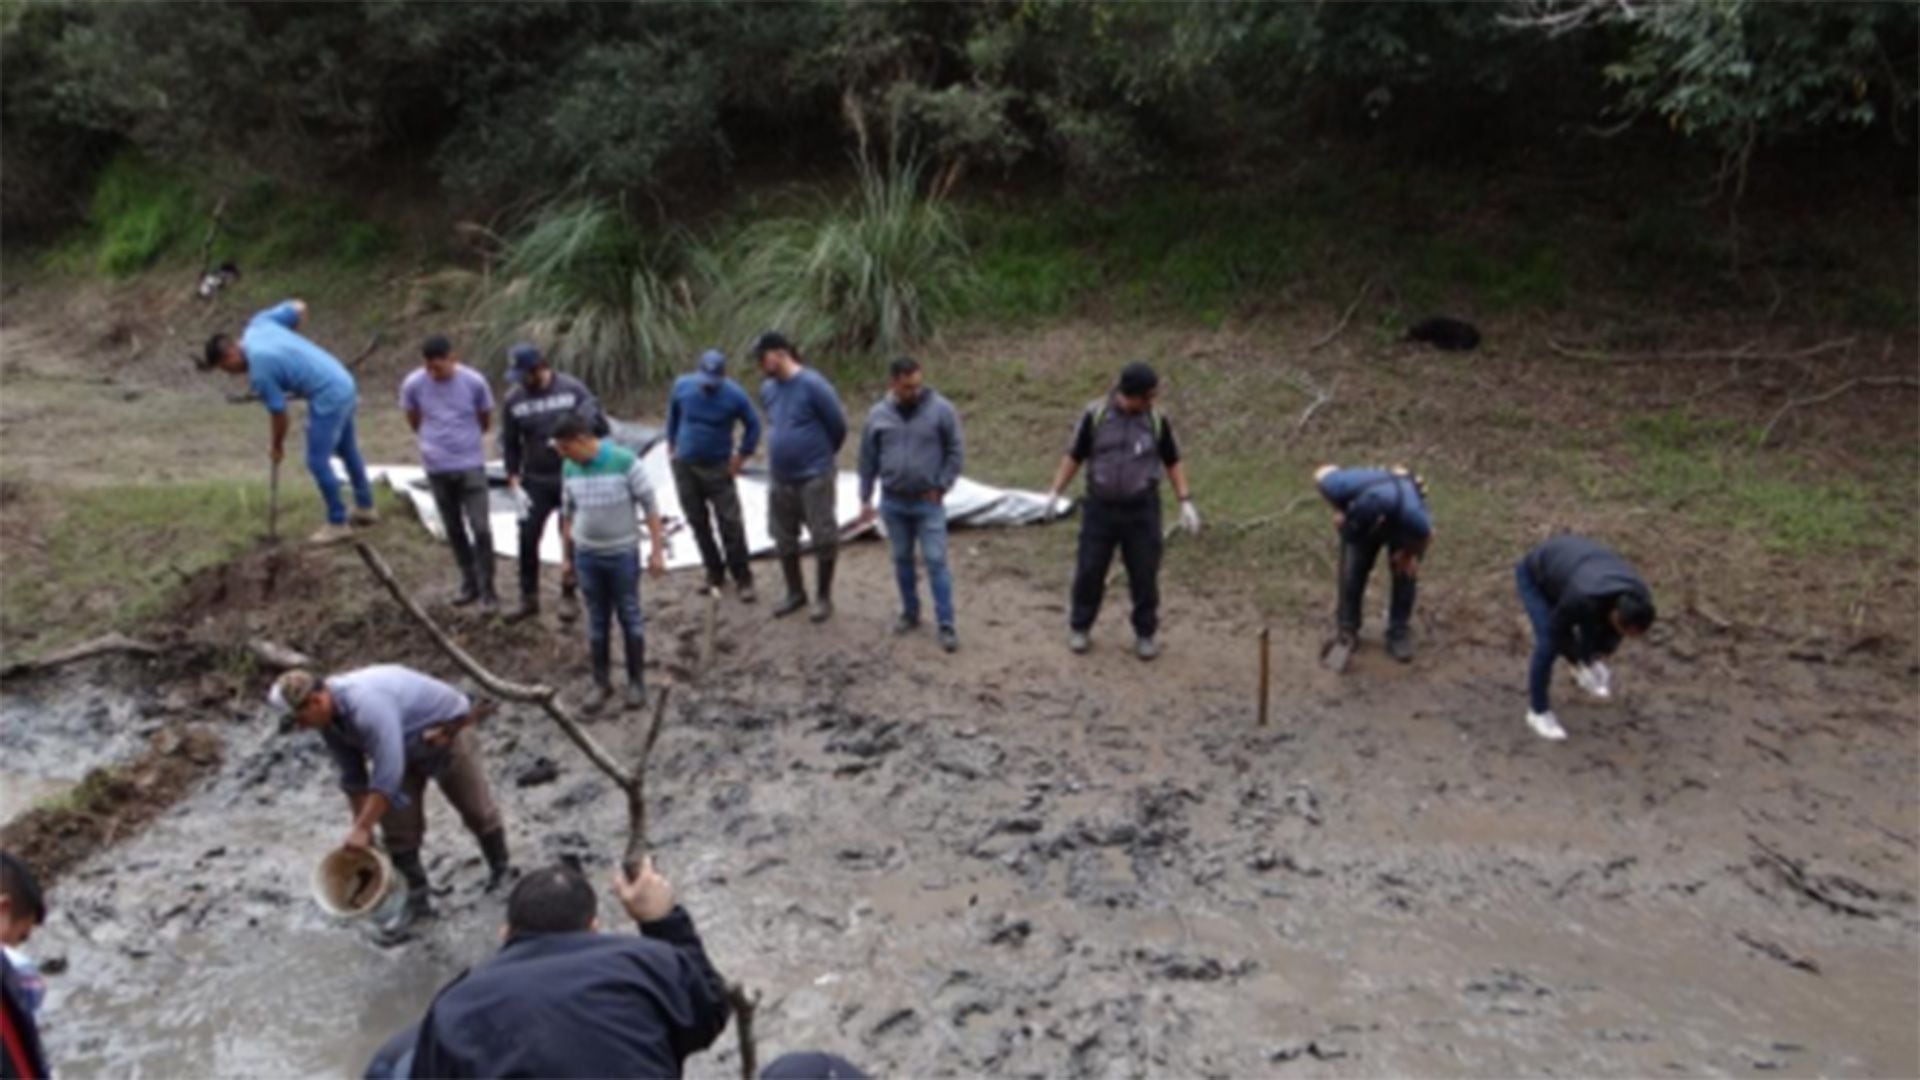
[{"x": 912, "y": 446}]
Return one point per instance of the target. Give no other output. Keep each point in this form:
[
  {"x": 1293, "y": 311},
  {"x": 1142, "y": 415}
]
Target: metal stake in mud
[
  {"x": 1266, "y": 669},
  {"x": 273, "y": 503}
]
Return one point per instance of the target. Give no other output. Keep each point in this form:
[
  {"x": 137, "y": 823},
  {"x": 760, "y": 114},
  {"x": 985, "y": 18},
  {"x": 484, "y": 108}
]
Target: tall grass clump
[
  {"x": 875, "y": 273},
  {"x": 594, "y": 292},
  {"x": 138, "y": 212}
]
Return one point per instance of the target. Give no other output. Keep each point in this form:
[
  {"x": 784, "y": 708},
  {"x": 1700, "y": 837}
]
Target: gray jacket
[{"x": 911, "y": 453}]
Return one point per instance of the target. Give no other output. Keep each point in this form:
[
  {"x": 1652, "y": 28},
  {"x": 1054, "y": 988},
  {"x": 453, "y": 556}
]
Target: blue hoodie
[{"x": 700, "y": 419}]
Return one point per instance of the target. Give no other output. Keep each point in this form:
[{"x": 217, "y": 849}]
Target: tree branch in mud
[
  {"x": 1738, "y": 352},
  {"x": 1766, "y": 433},
  {"x": 1345, "y": 318},
  {"x": 86, "y": 650}
]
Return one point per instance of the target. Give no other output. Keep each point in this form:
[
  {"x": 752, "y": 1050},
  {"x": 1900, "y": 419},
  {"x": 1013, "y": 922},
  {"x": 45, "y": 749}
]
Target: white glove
[
  {"x": 522, "y": 505},
  {"x": 1189, "y": 518},
  {"x": 1054, "y": 511},
  {"x": 1593, "y": 679}
]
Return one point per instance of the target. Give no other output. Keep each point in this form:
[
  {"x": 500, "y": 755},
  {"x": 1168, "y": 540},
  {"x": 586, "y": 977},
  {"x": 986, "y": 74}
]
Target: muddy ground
[
  {"x": 1013, "y": 861},
  {"x": 1023, "y": 862}
]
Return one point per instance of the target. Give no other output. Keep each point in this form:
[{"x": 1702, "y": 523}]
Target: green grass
[{"x": 116, "y": 556}]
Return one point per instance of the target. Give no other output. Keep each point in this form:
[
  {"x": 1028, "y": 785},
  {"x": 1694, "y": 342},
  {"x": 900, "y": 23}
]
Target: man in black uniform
[
  {"x": 1581, "y": 599},
  {"x": 540, "y": 397}
]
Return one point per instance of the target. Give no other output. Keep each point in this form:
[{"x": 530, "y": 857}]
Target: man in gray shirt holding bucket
[{"x": 390, "y": 729}]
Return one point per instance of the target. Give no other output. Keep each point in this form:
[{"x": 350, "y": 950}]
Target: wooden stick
[
  {"x": 638, "y": 842},
  {"x": 745, "y": 1004},
  {"x": 1345, "y": 318},
  {"x": 86, "y": 650},
  {"x": 1829, "y": 394},
  {"x": 531, "y": 694},
  {"x": 1266, "y": 670}
]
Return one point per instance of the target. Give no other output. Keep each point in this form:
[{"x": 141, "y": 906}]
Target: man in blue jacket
[
  {"x": 701, "y": 416},
  {"x": 805, "y": 430},
  {"x": 561, "y": 999},
  {"x": 1582, "y": 599},
  {"x": 912, "y": 447},
  {"x": 1375, "y": 508},
  {"x": 280, "y": 364}
]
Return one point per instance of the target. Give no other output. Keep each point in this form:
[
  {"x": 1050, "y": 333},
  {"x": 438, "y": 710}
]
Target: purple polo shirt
[{"x": 450, "y": 436}]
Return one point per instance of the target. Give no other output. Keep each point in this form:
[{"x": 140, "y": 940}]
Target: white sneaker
[
  {"x": 1545, "y": 726},
  {"x": 1593, "y": 678}
]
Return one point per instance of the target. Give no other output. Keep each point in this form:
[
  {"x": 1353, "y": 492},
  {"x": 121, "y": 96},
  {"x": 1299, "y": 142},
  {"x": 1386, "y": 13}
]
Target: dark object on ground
[
  {"x": 811, "y": 1065},
  {"x": 1453, "y": 335},
  {"x": 542, "y": 771}
]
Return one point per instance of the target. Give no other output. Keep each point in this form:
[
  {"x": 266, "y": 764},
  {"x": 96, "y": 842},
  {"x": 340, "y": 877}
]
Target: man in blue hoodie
[
  {"x": 281, "y": 364},
  {"x": 1582, "y": 599},
  {"x": 912, "y": 448},
  {"x": 1372, "y": 509},
  {"x": 701, "y": 416},
  {"x": 805, "y": 430},
  {"x": 563, "y": 999}
]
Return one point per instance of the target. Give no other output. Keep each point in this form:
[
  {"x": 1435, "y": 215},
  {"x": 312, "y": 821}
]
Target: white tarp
[{"x": 969, "y": 504}]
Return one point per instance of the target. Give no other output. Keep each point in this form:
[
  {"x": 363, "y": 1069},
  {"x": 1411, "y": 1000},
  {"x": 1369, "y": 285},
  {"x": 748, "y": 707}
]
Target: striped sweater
[{"x": 604, "y": 498}]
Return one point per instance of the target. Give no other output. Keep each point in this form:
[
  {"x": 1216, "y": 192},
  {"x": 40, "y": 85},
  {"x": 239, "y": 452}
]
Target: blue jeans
[
  {"x": 1540, "y": 613},
  {"x": 330, "y": 435},
  {"x": 916, "y": 519},
  {"x": 610, "y": 584}
]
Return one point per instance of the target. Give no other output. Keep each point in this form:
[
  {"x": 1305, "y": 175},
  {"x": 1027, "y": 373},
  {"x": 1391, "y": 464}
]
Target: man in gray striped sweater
[{"x": 603, "y": 491}]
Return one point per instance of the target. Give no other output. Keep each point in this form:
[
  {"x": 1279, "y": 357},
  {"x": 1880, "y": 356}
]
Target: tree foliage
[{"x": 526, "y": 99}]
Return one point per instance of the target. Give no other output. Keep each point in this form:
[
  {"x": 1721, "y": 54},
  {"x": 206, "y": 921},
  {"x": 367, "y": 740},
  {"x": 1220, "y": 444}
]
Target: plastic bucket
[{"x": 351, "y": 882}]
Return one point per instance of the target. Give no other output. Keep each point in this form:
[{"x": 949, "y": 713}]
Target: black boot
[
  {"x": 469, "y": 592},
  {"x": 823, "y": 598},
  {"x": 483, "y": 573},
  {"x": 419, "y": 904},
  {"x": 493, "y": 847},
  {"x": 796, "y": 597},
  {"x": 636, "y": 673},
  {"x": 602, "y": 681}
]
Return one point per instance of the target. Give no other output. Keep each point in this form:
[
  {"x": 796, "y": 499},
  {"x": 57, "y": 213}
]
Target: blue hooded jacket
[{"x": 1377, "y": 500}]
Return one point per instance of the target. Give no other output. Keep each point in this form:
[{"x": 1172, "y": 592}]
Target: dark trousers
[
  {"x": 543, "y": 493},
  {"x": 1540, "y": 614},
  {"x": 1356, "y": 565},
  {"x": 460, "y": 778},
  {"x": 610, "y": 583},
  {"x": 1134, "y": 528},
  {"x": 464, "y": 505},
  {"x": 707, "y": 487},
  {"x": 809, "y": 503}
]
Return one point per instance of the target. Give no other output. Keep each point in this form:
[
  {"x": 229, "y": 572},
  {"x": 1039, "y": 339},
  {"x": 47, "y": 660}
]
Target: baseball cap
[
  {"x": 525, "y": 357},
  {"x": 291, "y": 691},
  {"x": 771, "y": 341},
  {"x": 713, "y": 365},
  {"x": 1138, "y": 380}
]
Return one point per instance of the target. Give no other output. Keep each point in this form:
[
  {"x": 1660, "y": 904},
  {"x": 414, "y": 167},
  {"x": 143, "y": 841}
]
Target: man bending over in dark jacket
[
  {"x": 1581, "y": 599},
  {"x": 562, "y": 999}
]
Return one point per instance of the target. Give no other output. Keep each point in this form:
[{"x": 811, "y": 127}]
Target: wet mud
[{"x": 1020, "y": 862}]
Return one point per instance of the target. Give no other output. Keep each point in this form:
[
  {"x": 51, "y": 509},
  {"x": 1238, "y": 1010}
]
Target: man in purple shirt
[{"x": 450, "y": 407}]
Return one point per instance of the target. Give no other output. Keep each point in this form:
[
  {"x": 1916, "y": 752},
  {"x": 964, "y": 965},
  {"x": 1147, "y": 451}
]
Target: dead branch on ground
[
  {"x": 1345, "y": 317},
  {"x": 372, "y": 344},
  {"x": 1747, "y": 351},
  {"x": 745, "y": 1005},
  {"x": 1308, "y": 385},
  {"x": 1829, "y": 394},
  {"x": 105, "y": 645}
]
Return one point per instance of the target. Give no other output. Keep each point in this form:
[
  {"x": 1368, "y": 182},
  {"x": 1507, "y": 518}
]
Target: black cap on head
[
  {"x": 572, "y": 426},
  {"x": 216, "y": 348},
  {"x": 1635, "y": 610},
  {"x": 17, "y": 883},
  {"x": 436, "y": 347},
  {"x": 1138, "y": 380},
  {"x": 551, "y": 900},
  {"x": 772, "y": 341}
]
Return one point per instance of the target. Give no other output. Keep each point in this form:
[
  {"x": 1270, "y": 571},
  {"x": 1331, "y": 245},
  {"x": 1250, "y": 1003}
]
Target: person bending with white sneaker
[{"x": 1582, "y": 599}]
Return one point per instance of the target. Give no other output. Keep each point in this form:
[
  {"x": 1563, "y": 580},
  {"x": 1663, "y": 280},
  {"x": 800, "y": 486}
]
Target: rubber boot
[
  {"x": 469, "y": 588},
  {"x": 636, "y": 673},
  {"x": 483, "y": 573},
  {"x": 493, "y": 847},
  {"x": 823, "y": 598},
  {"x": 419, "y": 904},
  {"x": 602, "y": 680},
  {"x": 796, "y": 597},
  {"x": 529, "y": 608}
]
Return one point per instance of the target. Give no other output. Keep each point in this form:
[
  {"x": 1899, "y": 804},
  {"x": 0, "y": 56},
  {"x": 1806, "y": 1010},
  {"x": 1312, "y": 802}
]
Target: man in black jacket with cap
[
  {"x": 1127, "y": 446},
  {"x": 563, "y": 999}
]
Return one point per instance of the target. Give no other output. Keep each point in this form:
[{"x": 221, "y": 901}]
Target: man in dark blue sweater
[
  {"x": 701, "y": 416},
  {"x": 1582, "y": 599},
  {"x": 1376, "y": 508},
  {"x": 805, "y": 429},
  {"x": 561, "y": 999}
]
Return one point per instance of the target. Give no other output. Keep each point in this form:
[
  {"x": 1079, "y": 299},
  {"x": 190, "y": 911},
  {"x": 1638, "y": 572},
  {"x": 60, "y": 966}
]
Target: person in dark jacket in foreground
[
  {"x": 1375, "y": 508},
  {"x": 912, "y": 449},
  {"x": 1582, "y": 599},
  {"x": 22, "y": 908},
  {"x": 562, "y": 999}
]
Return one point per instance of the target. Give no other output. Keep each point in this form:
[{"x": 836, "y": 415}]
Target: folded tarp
[{"x": 969, "y": 504}]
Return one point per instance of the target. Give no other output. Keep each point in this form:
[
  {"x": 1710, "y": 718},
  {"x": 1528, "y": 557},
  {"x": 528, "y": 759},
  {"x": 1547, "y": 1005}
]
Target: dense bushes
[{"x": 521, "y": 98}]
